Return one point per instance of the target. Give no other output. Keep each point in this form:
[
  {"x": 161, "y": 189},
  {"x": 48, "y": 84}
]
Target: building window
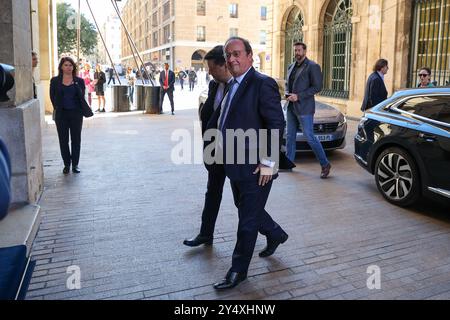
[
  {"x": 155, "y": 19},
  {"x": 166, "y": 31},
  {"x": 201, "y": 7},
  {"x": 201, "y": 33},
  {"x": 337, "y": 44},
  {"x": 263, "y": 13},
  {"x": 293, "y": 34},
  {"x": 166, "y": 11},
  {"x": 155, "y": 39},
  {"x": 262, "y": 37},
  {"x": 233, "y": 32},
  {"x": 233, "y": 10},
  {"x": 431, "y": 41}
]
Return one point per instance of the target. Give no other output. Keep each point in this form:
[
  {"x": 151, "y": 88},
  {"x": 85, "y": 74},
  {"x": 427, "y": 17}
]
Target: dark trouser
[
  {"x": 181, "y": 83},
  {"x": 170, "y": 94},
  {"x": 69, "y": 121},
  {"x": 113, "y": 80},
  {"x": 250, "y": 199},
  {"x": 213, "y": 197},
  {"x": 191, "y": 85}
]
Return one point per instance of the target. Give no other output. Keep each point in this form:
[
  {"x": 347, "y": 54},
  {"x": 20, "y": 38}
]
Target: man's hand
[
  {"x": 292, "y": 98},
  {"x": 265, "y": 174}
]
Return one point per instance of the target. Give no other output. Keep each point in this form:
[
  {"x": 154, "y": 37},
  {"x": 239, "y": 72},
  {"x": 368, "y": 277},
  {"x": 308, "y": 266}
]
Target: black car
[{"x": 405, "y": 143}]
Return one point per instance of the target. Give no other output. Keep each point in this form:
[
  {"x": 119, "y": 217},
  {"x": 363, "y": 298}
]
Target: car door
[{"x": 431, "y": 130}]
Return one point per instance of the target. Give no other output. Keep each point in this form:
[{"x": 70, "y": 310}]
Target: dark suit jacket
[
  {"x": 207, "y": 110},
  {"x": 255, "y": 105},
  {"x": 205, "y": 113},
  {"x": 375, "y": 91},
  {"x": 162, "y": 76},
  {"x": 56, "y": 90},
  {"x": 306, "y": 85}
]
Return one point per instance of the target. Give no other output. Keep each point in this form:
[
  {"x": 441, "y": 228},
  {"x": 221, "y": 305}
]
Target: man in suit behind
[
  {"x": 375, "y": 91},
  {"x": 304, "y": 81},
  {"x": 167, "y": 82},
  {"x": 216, "y": 174},
  {"x": 252, "y": 104}
]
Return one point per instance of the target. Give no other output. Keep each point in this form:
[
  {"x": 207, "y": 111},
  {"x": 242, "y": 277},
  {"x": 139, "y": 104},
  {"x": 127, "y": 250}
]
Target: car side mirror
[{"x": 6, "y": 81}]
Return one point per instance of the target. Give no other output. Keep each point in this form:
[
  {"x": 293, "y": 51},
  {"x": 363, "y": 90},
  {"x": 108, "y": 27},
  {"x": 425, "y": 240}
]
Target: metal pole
[
  {"x": 131, "y": 42},
  {"x": 78, "y": 30},
  {"x": 99, "y": 32}
]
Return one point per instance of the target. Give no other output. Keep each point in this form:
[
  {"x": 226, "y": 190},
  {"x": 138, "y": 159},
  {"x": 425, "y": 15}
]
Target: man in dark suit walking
[
  {"x": 216, "y": 174},
  {"x": 167, "y": 83},
  {"x": 251, "y": 105},
  {"x": 375, "y": 91},
  {"x": 304, "y": 81}
]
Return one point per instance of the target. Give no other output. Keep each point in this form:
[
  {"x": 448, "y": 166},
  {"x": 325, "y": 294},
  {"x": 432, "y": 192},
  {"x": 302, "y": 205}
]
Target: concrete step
[{"x": 20, "y": 226}]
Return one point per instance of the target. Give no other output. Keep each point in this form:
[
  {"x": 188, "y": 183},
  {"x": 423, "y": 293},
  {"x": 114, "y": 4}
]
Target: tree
[{"x": 67, "y": 31}]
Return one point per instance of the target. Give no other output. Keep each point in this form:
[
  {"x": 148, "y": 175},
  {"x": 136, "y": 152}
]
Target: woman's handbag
[{"x": 85, "y": 109}]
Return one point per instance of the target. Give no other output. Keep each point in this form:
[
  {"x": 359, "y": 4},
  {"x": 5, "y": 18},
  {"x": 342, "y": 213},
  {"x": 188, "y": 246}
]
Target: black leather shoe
[
  {"x": 66, "y": 170},
  {"x": 231, "y": 280},
  {"x": 198, "y": 240},
  {"x": 272, "y": 245},
  {"x": 75, "y": 169}
]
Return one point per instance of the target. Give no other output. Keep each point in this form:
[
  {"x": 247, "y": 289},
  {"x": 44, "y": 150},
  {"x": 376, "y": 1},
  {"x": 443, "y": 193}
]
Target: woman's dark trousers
[{"x": 69, "y": 121}]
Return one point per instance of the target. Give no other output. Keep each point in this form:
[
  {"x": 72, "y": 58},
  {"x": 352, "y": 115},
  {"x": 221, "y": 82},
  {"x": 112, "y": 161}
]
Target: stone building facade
[
  {"x": 346, "y": 37},
  {"x": 181, "y": 32}
]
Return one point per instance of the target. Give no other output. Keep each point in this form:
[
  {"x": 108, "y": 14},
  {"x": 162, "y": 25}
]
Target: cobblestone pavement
[{"x": 123, "y": 219}]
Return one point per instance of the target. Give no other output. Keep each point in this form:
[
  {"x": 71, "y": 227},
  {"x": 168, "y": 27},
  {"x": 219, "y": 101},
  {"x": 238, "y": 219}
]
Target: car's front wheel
[{"x": 397, "y": 177}]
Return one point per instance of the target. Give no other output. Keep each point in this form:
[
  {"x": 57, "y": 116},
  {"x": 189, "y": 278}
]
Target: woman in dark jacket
[{"x": 66, "y": 93}]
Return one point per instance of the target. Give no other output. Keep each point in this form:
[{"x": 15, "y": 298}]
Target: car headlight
[
  {"x": 342, "y": 121},
  {"x": 361, "y": 122},
  {"x": 361, "y": 134}
]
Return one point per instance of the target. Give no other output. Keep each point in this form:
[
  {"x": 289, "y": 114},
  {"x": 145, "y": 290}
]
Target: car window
[{"x": 432, "y": 107}]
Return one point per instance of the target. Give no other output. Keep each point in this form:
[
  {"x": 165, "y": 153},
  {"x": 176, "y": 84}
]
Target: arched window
[
  {"x": 197, "y": 59},
  {"x": 294, "y": 33},
  {"x": 337, "y": 43},
  {"x": 431, "y": 43}
]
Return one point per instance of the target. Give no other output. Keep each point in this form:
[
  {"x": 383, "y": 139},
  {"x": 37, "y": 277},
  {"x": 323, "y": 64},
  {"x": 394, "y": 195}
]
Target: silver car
[{"x": 330, "y": 126}]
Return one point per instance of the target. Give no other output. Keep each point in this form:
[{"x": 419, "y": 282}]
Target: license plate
[{"x": 324, "y": 137}]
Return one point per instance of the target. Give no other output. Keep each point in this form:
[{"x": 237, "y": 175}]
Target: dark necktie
[{"x": 224, "y": 112}]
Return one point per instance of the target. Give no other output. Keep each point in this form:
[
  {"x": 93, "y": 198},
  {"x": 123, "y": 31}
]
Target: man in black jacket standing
[
  {"x": 216, "y": 174},
  {"x": 375, "y": 88},
  {"x": 167, "y": 82}
]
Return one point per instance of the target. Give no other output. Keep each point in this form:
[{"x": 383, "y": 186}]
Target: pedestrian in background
[
  {"x": 181, "y": 76},
  {"x": 192, "y": 78},
  {"x": 66, "y": 93},
  {"x": 303, "y": 82},
  {"x": 85, "y": 74},
  {"x": 131, "y": 78},
  {"x": 34, "y": 63},
  {"x": 111, "y": 75},
  {"x": 167, "y": 83},
  {"x": 375, "y": 91},
  {"x": 425, "y": 78},
  {"x": 99, "y": 81}
]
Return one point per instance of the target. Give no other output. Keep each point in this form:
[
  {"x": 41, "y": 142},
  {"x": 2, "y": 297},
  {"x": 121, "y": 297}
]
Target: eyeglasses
[{"x": 423, "y": 74}]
